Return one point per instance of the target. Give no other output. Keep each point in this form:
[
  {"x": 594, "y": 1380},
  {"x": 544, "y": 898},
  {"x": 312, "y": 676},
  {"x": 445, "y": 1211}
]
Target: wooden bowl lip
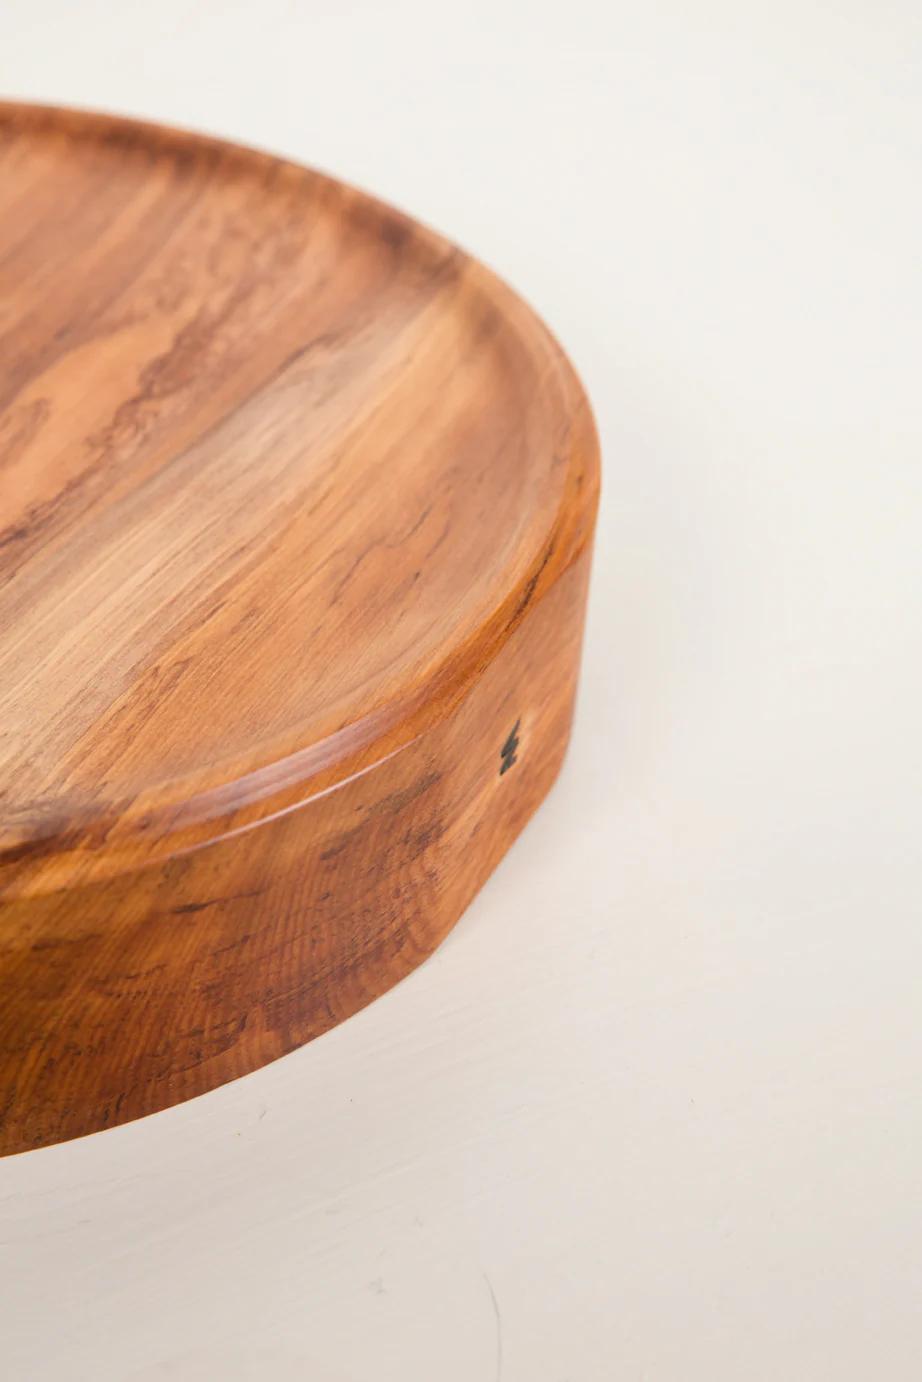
[{"x": 177, "y": 818}]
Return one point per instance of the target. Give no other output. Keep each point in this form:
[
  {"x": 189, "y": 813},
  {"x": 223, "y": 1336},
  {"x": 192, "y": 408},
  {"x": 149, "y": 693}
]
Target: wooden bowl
[{"x": 297, "y": 508}]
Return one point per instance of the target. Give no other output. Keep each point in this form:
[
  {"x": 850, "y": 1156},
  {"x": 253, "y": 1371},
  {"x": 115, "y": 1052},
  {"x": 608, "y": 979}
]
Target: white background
[{"x": 655, "y": 1109}]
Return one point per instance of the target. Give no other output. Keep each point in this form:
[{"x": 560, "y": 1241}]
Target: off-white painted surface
[{"x": 655, "y": 1110}]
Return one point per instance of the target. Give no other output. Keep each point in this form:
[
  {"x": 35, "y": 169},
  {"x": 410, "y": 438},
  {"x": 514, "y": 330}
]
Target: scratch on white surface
[{"x": 499, "y": 1328}]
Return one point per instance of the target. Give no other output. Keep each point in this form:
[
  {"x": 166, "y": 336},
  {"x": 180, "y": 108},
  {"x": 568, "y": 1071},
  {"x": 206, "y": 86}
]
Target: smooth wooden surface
[{"x": 296, "y": 510}]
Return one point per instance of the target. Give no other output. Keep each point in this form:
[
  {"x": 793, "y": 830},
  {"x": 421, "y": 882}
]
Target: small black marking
[{"x": 508, "y": 751}]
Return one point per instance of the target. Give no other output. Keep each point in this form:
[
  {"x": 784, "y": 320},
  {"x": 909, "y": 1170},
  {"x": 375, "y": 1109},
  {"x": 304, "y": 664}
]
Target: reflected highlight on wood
[{"x": 296, "y": 507}]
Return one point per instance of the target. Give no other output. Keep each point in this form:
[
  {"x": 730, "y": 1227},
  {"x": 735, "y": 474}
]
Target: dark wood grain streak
[{"x": 296, "y": 509}]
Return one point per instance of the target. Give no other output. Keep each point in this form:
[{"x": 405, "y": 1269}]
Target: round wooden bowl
[{"x": 296, "y": 508}]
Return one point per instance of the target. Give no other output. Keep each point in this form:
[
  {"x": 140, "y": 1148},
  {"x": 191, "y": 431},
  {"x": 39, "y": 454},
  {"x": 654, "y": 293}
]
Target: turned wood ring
[{"x": 297, "y": 510}]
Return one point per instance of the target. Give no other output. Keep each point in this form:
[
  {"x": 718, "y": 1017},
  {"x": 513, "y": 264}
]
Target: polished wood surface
[{"x": 296, "y": 507}]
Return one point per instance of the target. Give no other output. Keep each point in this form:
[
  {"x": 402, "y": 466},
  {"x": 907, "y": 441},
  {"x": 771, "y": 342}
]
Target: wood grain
[{"x": 296, "y": 508}]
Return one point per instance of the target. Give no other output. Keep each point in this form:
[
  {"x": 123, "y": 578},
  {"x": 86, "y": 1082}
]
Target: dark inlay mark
[{"x": 508, "y": 751}]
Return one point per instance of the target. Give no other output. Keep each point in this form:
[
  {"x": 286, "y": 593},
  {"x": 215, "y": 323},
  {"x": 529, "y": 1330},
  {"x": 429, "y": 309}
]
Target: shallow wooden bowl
[{"x": 296, "y": 506}]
